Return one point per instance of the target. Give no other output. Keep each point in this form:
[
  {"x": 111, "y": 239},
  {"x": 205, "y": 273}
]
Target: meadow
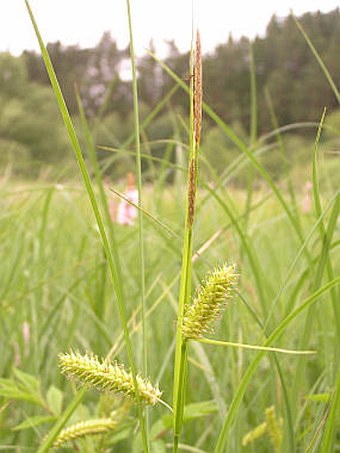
[{"x": 74, "y": 280}]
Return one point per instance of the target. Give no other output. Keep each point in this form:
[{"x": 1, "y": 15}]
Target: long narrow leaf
[{"x": 319, "y": 60}]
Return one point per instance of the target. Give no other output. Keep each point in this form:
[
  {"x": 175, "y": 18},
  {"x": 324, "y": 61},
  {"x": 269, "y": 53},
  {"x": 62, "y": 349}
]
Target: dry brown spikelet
[{"x": 198, "y": 90}]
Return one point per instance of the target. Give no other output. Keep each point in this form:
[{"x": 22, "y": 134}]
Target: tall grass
[{"x": 244, "y": 389}]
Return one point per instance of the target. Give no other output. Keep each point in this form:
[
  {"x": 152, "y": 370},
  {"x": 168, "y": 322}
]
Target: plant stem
[
  {"x": 144, "y": 429},
  {"x": 186, "y": 273},
  {"x": 250, "y": 346}
]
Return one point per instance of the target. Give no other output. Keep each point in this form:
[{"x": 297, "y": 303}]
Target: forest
[{"x": 290, "y": 89}]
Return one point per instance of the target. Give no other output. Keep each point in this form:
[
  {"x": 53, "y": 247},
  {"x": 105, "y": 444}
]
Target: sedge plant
[
  {"x": 195, "y": 318},
  {"x": 196, "y": 315}
]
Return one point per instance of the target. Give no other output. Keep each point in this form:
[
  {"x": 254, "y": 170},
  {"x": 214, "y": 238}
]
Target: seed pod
[
  {"x": 107, "y": 376},
  {"x": 210, "y": 300},
  {"x": 85, "y": 428}
]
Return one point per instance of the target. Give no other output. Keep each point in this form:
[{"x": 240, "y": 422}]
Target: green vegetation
[{"x": 245, "y": 218}]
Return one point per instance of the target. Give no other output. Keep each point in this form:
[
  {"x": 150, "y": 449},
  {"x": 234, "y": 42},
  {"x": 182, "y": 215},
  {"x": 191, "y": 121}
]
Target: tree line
[{"x": 289, "y": 82}]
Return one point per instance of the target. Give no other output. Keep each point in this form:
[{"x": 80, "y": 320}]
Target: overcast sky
[{"x": 84, "y": 21}]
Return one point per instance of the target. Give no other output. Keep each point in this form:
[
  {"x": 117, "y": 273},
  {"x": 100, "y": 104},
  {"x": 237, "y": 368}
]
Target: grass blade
[
  {"x": 331, "y": 419},
  {"x": 139, "y": 186},
  {"x": 319, "y": 60}
]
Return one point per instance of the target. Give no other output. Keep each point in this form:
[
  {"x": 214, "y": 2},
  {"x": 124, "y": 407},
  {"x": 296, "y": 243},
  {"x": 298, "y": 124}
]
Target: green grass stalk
[
  {"x": 180, "y": 369},
  {"x": 319, "y": 60},
  {"x": 329, "y": 430},
  {"x": 251, "y": 346},
  {"x": 141, "y": 259},
  {"x": 54, "y": 432},
  {"x": 310, "y": 319},
  {"x": 139, "y": 187},
  {"x": 325, "y": 262},
  {"x": 252, "y": 134}
]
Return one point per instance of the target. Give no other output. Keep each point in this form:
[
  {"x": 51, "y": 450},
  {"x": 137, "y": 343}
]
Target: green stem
[
  {"x": 178, "y": 415},
  {"x": 48, "y": 441},
  {"x": 330, "y": 427},
  {"x": 253, "y": 136},
  {"x": 139, "y": 185},
  {"x": 141, "y": 260},
  {"x": 250, "y": 346},
  {"x": 180, "y": 367}
]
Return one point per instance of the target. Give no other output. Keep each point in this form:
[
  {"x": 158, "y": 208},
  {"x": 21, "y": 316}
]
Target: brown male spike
[{"x": 198, "y": 90}]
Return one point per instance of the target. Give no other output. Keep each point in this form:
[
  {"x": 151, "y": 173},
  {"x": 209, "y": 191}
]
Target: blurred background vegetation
[{"x": 288, "y": 77}]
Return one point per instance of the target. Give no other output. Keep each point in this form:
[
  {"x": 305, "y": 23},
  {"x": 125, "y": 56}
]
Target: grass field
[
  {"x": 74, "y": 281},
  {"x": 55, "y": 285}
]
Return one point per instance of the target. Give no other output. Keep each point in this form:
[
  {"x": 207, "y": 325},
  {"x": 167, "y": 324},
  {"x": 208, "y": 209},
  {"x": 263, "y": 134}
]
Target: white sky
[{"x": 84, "y": 21}]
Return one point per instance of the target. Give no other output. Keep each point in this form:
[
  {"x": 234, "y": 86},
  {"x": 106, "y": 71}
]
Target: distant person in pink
[
  {"x": 307, "y": 199},
  {"x": 125, "y": 213}
]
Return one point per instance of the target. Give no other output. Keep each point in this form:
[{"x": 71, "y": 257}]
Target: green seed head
[
  {"x": 274, "y": 428},
  {"x": 85, "y": 428},
  {"x": 210, "y": 300},
  {"x": 106, "y": 376}
]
